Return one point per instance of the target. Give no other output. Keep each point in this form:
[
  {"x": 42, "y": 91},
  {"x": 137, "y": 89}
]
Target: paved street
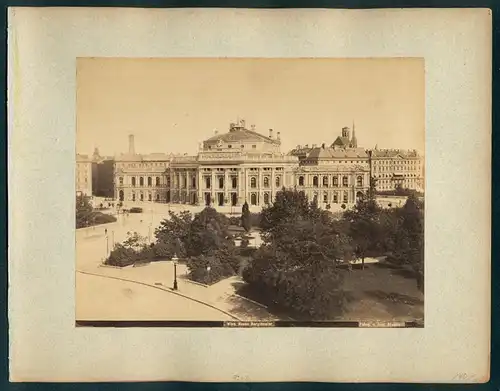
[
  {"x": 119, "y": 300},
  {"x": 102, "y": 288}
]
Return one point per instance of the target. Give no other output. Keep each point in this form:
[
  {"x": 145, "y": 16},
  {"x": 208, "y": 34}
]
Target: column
[
  {"x": 188, "y": 187},
  {"x": 273, "y": 184},
  {"x": 241, "y": 194},
  {"x": 200, "y": 186},
  {"x": 212, "y": 186},
  {"x": 259, "y": 188},
  {"x": 245, "y": 186},
  {"x": 226, "y": 186}
]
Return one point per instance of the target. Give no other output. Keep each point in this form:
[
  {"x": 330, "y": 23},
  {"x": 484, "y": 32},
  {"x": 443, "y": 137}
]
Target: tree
[
  {"x": 413, "y": 229},
  {"x": 364, "y": 223},
  {"x": 84, "y": 211},
  {"x": 209, "y": 241},
  {"x": 172, "y": 235},
  {"x": 246, "y": 222},
  {"x": 289, "y": 206},
  {"x": 296, "y": 268},
  {"x": 299, "y": 271}
]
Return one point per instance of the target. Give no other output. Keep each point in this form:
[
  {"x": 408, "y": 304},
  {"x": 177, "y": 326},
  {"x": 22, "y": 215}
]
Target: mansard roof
[
  {"x": 336, "y": 153},
  {"x": 239, "y": 133},
  {"x": 391, "y": 153}
]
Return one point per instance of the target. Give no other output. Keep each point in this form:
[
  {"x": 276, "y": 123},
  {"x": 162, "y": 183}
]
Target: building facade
[
  {"x": 83, "y": 175},
  {"x": 243, "y": 165},
  {"x": 232, "y": 168},
  {"x": 141, "y": 177},
  {"x": 392, "y": 168}
]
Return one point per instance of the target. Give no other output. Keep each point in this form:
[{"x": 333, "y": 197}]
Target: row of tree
[{"x": 297, "y": 267}]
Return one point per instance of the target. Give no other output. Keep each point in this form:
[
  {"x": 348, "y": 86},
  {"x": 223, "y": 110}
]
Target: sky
[{"x": 171, "y": 105}]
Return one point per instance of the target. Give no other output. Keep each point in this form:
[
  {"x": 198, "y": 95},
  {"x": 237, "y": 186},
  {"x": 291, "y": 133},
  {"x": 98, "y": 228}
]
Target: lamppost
[
  {"x": 174, "y": 260},
  {"x": 208, "y": 275}
]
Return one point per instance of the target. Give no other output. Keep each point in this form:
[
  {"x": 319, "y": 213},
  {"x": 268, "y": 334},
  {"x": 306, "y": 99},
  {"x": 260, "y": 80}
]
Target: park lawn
[{"x": 382, "y": 292}]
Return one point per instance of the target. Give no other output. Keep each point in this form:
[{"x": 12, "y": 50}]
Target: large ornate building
[
  {"x": 141, "y": 177},
  {"x": 231, "y": 168},
  {"x": 243, "y": 165}
]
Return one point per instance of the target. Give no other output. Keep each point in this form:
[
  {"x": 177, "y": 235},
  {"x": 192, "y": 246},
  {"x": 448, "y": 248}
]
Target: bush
[
  {"x": 103, "y": 218},
  {"x": 122, "y": 256},
  {"x": 233, "y": 220},
  {"x": 135, "y": 210},
  {"x": 218, "y": 270}
]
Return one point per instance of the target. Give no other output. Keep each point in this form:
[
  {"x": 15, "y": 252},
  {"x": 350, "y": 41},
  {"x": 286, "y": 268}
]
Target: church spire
[{"x": 354, "y": 141}]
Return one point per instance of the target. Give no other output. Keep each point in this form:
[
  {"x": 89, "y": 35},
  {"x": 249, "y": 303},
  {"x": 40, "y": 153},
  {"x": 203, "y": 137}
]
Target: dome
[{"x": 238, "y": 133}]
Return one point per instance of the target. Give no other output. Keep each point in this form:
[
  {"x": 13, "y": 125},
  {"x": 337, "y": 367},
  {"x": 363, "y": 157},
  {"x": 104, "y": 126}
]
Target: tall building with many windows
[
  {"x": 243, "y": 165},
  {"x": 141, "y": 177},
  {"x": 392, "y": 168}
]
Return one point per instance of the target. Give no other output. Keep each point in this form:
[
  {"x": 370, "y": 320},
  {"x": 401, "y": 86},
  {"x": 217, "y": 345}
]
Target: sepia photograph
[
  {"x": 293, "y": 188},
  {"x": 250, "y": 192}
]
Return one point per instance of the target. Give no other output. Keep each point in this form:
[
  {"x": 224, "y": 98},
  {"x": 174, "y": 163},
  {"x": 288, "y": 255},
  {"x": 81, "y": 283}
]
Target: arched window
[
  {"x": 266, "y": 198},
  {"x": 325, "y": 181},
  {"x": 234, "y": 182},
  {"x": 359, "y": 181},
  {"x": 150, "y": 181},
  {"x": 335, "y": 198},
  {"x": 133, "y": 196},
  {"x": 301, "y": 181},
  {"x": 335, "y": 181},
  {"x": 150, "y": 197},
  {"x": 278, "y": 181},
  {"x": 141, "y": 181},
  {"x": 193, "y": 182},
  {"x": 266, "y": 181},
  {"x": 157, "y": 181},
  {"x": 121, "y": 181},
  {"x": 133, "y": 181},
  {"x": 253, "y": 199},
  {"x": 344, "y": 182},
  {"x": 325, "y": 198},
  {"x": 253, "y": 183},
  {"x": 142, "y": 196},
  {"x": 157, "y": 197},
  {"x": 221, "y": 182},
  {"x": 207, "y": 183},
  {"x": 121, "y": 195},
  {"x": 345, "y": 197},
  {"x": 315, "y": 181}
]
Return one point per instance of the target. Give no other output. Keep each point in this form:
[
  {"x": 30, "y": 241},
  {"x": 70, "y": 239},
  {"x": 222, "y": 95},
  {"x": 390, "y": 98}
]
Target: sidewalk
[{"x": 220, "y": 295}]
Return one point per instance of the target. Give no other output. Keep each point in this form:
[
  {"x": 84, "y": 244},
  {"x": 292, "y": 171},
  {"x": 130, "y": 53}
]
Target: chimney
[
  {"x": 323, "y": 145},
  {"x": 131, "y": 146},
  {"x": 279, "y": 136},
  {"x": 270, "y": 133}
]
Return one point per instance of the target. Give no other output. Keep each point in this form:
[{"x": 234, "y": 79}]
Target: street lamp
[
  {"x": 174, "y": 259},
  {"x": 208, "y": 274}
]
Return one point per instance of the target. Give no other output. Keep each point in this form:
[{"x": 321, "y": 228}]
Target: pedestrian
[{"x": 105, "y": 231}]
